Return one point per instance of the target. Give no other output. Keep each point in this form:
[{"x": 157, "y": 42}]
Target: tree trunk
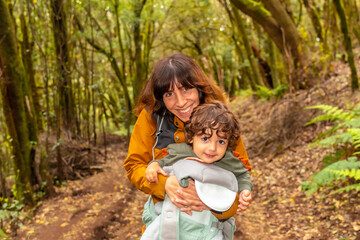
[
  {"x": 26, "y": 52},
  {"x": 123, "y": 65},
  {"x": 291, "y": 34},
  {"x": 314, "y": 16},
  {"x": 273, "y": 63},
  {"x": 87, "y": 92},
  {"x": 30, "y": 91},
  {"x": 347, "y": 44},
  {"x": 356, "y": 27},
  {"x": 63, "y": 60},
  {"x": 12, "y": 80},
  {"x": 281, "y": 29},
  {"x": 245, "y": 71},
  {"x": 253, "y": 63},
  {"x": 139, "y": 64}
]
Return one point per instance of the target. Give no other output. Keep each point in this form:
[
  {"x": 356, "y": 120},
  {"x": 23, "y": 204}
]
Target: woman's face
[{"x": 181, "y": 101}]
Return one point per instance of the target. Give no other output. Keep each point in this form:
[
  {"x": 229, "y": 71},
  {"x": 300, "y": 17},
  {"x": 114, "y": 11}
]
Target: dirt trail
[
  {"x": 103, "y": 206},
  {"x": 106, "y": 206}
]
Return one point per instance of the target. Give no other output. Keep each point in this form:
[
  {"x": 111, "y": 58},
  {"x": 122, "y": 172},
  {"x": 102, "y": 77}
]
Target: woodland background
[{"x": 71, "y": 72}]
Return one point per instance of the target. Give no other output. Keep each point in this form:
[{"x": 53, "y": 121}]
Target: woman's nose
[{"x": 180, "y": 100}]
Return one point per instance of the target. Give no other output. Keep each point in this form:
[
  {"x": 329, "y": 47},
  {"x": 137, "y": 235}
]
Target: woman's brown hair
[
  {"x": 215, "y": 116},
  {"x": 186, "y": 72}
]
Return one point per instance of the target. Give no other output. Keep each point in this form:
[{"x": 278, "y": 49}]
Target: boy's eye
[
  {"x": 222, "y": 142},
  {"x": 205, "y": 139}
]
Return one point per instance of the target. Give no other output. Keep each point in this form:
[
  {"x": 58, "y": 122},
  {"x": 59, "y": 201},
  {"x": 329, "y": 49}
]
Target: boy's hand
[
  {"x": 244, "y": 200},
  {"x": 152, "y": 171}
]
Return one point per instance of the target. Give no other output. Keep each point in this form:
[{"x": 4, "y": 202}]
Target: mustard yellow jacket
[{"x": 141, "y": 149}]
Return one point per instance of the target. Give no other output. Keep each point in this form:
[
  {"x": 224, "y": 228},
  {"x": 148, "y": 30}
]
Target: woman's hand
[
  {"x": 152, "y": 171},
  {"x": 186, "y": 199},
  {"x": 244, "y": 200}
]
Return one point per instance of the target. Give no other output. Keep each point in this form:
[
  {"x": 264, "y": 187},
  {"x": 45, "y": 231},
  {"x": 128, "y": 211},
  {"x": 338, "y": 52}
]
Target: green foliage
[
  {"x": 355, "y": 133},
  {"x": 334, "y": 157},
  {"x": 266, "y": 94},
  {"x": 330, "y": 113},
  {"x": 11, "y": 213},
  {"x": 344, "y": 122},
  {"x": 334, "y": 172},
  {"x": 353, "y": 173},
  {"x": 344, "y": 138}
]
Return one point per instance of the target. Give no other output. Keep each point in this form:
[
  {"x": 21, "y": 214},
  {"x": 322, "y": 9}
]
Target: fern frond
[
  {"x": 345, "y": 134},
  {"x": 335, "y": 139},
  {"x": 352, "y": 173},
  {"x": 352, "y": 123},
  {"x": 355, "y": 187},
  {"x": 319, "y": 118},
  {"x": 324, "y": 134},
  {"x": 330, "y": 113},
  {"x": 325, "y": 177}
]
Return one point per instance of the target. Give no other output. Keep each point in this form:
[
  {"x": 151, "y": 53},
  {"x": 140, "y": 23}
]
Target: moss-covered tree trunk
[
  {"x": 138, "y": 39},
  {"x": 257, "y": 78},
  {"x": 64, "y": 108},
  {"x": 315, "y": 20},
  {"x": 347, "y": 44},
  {"x": 272, "y": 16},
  {"x": 30, "y": 91},
  {"x": 26, "y": 52},
  {"x": 273, "y": 63},
  {"x": 12, "y": 81},
  {"x": 245, "y": 79},
  {"x": 287, "y": 26},
  {"x": 356, "y": 27},
  {"x": 128, "y": 119},
  {"x": 61, "y": 39}
]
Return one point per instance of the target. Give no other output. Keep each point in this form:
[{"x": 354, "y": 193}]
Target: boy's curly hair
[{"x": 215, "y": 116}]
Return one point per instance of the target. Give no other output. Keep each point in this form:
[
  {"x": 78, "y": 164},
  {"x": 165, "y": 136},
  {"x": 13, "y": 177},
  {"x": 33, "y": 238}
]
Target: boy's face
[{"x": 209, "y": 149}]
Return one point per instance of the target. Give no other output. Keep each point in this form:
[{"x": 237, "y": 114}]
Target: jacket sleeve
[
  {"x": 140, "y": 154},
  {"x": 229, "y": 213},
  {"x": 240, "y": 153}
]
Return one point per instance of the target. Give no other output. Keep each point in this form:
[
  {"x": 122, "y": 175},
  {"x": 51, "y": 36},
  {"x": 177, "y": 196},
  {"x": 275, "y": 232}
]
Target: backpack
[{"x": 164, "y": 221}]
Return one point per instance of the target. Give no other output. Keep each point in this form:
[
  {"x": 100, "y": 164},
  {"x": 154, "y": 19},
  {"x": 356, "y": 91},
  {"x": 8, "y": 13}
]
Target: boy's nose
[{"x": 212, "y": 146}]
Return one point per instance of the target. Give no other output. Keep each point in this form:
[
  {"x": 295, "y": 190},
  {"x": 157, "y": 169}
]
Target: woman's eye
[
  {"x": 186, "y": 89},
  {"x": 168, "y": 94}
]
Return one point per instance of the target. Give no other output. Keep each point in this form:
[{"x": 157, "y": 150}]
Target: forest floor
[{"x": 106, "y": 206}]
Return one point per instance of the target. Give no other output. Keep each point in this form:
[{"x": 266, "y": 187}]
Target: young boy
[{"x": 211, "y": 134}]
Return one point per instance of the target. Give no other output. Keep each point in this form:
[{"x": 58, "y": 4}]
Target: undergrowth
[{"x": 343, "y": 138}]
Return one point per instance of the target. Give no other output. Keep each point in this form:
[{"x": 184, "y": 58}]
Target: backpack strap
[
  {"x": 227, "y": 227},
  {"x": 169, "y": 220}
]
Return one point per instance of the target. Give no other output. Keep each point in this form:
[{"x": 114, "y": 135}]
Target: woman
[{"x": 176, "y": 86}]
